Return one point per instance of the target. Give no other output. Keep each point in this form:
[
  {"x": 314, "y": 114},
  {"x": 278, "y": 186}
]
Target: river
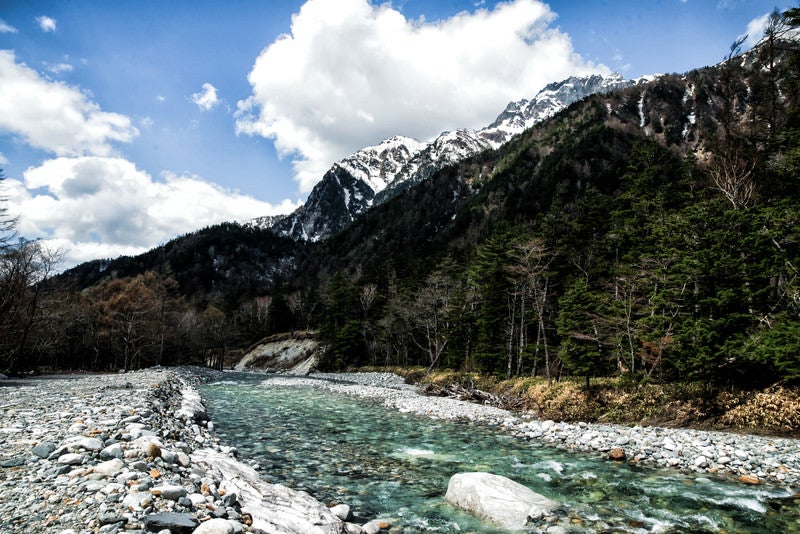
[{"x": 395, "y": 466}]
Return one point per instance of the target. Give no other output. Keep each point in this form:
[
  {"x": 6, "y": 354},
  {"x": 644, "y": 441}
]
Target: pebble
[
  {"x": 116, "y": 453},
  {"x": 87, "y": 454}
]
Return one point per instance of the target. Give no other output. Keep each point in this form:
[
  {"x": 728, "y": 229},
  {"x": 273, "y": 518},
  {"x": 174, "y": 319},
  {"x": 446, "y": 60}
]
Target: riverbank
[
  {"x": 134, "y": 453},
  {"x": 751, "y": 459}
]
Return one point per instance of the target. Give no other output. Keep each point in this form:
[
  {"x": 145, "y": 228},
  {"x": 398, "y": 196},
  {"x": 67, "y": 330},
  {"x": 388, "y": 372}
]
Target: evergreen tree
[{"x": 581, "y": 346}]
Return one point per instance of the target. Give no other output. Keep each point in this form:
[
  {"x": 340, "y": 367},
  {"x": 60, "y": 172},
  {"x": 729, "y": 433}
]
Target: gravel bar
[{"x": 134, "y": 452}]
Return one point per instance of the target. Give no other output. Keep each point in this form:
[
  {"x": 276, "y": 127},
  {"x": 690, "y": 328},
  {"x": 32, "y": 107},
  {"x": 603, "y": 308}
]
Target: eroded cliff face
[{"x": 295, "y": 354}]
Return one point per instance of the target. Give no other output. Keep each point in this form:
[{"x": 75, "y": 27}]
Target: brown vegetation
[{"x": 773, "y": 411}]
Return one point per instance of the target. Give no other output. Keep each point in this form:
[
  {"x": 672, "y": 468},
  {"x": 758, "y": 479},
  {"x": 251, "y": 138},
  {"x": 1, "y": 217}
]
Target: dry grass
[
  {"x": 776, "y": 410},
  {"x": 773, "y": 411}
]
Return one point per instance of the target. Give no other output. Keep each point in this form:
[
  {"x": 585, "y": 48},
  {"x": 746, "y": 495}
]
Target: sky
[{"x": 124, "y": 124}]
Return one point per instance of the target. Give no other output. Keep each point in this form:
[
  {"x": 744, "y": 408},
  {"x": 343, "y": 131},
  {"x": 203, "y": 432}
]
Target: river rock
[
  {"x": 170, "y": 491},
  {"x": 90, "y": 444},
  {"x": 175, "y": 522},
  {"x": 749, "y": 479},
  {"x": 71, "y": 458},
  {"x": 342, "y": 511},
  {"x": 112, "y": 451},
  {"x": 109, "y": 468},
  {"x": 13, "y": 462},
  {"x": 274, "y": 508},
  {"x": 219, "y": 526},
  {"x": 168, "y": 456},
  {"x": 617, "y": 454},
  {"x": 497, "y": 499},
  {"x": 44, "y": 449}
]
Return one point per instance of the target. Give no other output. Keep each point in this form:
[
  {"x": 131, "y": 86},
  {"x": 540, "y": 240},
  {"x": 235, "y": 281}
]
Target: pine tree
[{"x": 581, "y": 347}]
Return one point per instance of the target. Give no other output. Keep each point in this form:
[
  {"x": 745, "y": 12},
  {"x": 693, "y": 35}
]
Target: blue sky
[{"x": 125, "y": 123}]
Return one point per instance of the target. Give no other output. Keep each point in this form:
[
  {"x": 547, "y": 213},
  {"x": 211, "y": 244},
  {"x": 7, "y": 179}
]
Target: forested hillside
[{"x": 650, "y": 233}]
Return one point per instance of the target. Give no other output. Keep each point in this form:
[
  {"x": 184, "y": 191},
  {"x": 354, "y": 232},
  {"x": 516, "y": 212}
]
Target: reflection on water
[{"x": 392, "y": 465}]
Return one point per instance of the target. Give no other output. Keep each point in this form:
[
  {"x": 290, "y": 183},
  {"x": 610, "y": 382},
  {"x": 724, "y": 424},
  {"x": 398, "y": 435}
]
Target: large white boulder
[
  {"x": 274, "y": 508},
  {"x": 497, "y": 499}
]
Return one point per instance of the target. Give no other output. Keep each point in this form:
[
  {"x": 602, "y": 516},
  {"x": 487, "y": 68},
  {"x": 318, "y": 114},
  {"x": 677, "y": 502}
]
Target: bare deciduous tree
[{"x": 733, "y": 176}]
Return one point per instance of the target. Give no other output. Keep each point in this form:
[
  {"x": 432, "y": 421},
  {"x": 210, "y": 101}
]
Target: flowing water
[{"x": 395, "y": 466}]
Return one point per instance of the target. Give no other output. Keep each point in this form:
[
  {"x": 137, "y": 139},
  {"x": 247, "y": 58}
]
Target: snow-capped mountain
[
  {"x": 521, "y": 115},
  {"x": 374, "y": 174},
  {"x": 378, "y": 165}
]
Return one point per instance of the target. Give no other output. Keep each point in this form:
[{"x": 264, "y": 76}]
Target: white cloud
[
  {"x": 54, "y": 116},
  {"x": 160, "y": 98},
  {"x": 351, "y": 74},
  {"x": 6, "y": 27},
  {"x": 96, "y": 207},
  {"x": 207, "y": 98},
  {"x": 3, "y": 159},
  {"x": 58, "y": 68},
  {"x": 755, "y": 30},
  {"x": 46, "y": 24}
]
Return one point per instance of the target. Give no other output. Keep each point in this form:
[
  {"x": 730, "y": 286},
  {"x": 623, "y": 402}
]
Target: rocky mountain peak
[{"x": 378, "y": 172}]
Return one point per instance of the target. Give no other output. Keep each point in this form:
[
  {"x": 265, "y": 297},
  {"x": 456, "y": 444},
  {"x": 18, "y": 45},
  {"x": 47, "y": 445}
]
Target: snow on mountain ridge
[
  {"x": 375, "y": 173},
  {"x": 377, "y": 165}
]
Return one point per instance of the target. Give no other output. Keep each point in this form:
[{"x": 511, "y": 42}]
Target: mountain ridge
[{"x": 380, "y": 172}]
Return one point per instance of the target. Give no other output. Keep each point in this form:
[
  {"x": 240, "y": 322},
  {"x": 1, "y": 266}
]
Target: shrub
[{"x": 776, "y": 410}]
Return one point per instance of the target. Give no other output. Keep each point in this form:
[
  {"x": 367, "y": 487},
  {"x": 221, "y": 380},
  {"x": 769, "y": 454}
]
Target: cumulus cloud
[
  {"x": 755, "y": 30},
  {"x": 54, "y": 116},
  {"x": 6, "y": 27},
  {"x": 351, "y": 74},
  {"x": 96, "y": 207},
  {"x": 207, "y": 98},
  {"x": 46, "y": 24}
]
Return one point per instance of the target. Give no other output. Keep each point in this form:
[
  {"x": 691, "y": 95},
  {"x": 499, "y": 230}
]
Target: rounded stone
[
  {"x": 169, "y": 491},
  {"x": 151, "y": 449},
  {"x": 173, "y": 522},
  {"x": 90, "y": 444},
  {"x": 217, "y": 526},
  {"x": 71, "y": 458},
  {"x": 109, "y": 468},
  {"x": 112, "y": 451},
  {"x": 169, "y": 457},
  {"x": 617, "y": 454},
  {"x": 342, "y": 511}
]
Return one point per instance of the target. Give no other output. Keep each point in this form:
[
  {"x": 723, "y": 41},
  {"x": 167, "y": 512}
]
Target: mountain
[
  {"x": 648, "y": 232},
  {"x": 347, "y": 190},
  {"x": 377, "y": 173}
]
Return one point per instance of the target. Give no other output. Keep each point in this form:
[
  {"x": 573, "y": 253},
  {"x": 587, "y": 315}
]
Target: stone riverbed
[{"x": 135, "y": 452}]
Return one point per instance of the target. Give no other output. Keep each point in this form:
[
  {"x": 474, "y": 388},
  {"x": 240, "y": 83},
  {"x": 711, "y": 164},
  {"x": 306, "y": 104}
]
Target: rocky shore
[
  {"x": 748, "y": 458},
  {"x": 135, "y": 453}
]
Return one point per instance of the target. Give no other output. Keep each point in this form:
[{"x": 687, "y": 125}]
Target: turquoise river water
[{"x": 395, "y": 466}]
